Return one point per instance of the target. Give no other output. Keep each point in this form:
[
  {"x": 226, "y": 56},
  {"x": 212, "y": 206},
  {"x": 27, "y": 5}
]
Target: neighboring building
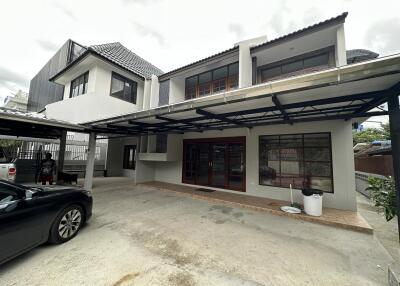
[
  {"x": 255, "y": 118},
  {"x": 360, "y": 55},
  {"x": 41, "y": 90},
  {"x": 372, "y": 160},
  {"x": 18, "y": 101}
]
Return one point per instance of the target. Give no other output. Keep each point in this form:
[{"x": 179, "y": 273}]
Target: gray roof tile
[{"x": 122, "y": 56}]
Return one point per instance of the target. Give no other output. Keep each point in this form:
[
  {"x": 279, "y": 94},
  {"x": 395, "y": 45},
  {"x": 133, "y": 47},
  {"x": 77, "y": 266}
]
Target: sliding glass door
[
  {"x": 215, "y": 162},
  {"x": 218, "y": 165}
]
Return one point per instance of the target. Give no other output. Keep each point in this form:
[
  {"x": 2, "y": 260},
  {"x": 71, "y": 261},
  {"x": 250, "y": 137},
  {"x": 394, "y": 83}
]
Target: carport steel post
[
  {"x": 90, "y": 161},
  {"x": 394, "y": 119}
]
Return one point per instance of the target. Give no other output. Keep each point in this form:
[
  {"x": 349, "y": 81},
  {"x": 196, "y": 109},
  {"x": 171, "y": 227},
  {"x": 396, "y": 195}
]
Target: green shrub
[{"x": 383, "y": 194}]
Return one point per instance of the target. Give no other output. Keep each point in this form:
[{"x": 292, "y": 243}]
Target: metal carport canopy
[
  {"x": 36, "y": 125},
  {"x": 344, "y": 93}
]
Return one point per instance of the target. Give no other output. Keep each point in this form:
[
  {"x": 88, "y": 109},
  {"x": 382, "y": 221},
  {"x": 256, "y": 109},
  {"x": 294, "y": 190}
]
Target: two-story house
[{"x": 257, "y": 118}]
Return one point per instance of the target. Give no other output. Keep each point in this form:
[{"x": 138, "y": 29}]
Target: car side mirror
[{"x": 31, "y": 194}]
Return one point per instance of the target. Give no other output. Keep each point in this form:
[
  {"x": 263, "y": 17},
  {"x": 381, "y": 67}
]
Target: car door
[{"x": 22, "y": 221}]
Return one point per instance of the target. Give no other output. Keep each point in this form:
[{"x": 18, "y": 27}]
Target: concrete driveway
[{"x": 139, "y": 236}]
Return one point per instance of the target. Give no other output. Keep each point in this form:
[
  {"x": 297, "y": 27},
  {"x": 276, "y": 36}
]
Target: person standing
[{"x": 47, "y": 170}]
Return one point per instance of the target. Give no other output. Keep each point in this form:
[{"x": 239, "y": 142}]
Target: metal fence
[{"x": 35, "y": 150}]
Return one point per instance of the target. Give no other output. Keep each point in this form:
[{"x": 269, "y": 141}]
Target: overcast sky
[{"x": 173, "y": 33}]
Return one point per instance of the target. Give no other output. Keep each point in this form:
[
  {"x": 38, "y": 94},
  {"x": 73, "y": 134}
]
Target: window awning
[{"x": 340, "y": 93}]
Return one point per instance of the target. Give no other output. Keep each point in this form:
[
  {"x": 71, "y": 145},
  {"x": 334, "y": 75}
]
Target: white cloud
[{"x": 173, "y": 33}]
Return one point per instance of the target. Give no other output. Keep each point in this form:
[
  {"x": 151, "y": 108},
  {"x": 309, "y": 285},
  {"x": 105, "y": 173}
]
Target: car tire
[{"x": 67, "y": 224}]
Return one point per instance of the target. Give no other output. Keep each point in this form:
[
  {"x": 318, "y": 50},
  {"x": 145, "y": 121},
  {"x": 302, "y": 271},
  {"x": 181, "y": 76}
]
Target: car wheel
[{"x": 67, "y": 224}]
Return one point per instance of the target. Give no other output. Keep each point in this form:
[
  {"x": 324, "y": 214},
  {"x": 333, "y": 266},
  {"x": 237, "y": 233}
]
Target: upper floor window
[
  {"x": 75, "y": 50},
  {"x": 294, "y": 66},
  {"x": 123, "y": 88},
  {"x": 217, "y": 80},
  {"x": 79, "y": 85}
]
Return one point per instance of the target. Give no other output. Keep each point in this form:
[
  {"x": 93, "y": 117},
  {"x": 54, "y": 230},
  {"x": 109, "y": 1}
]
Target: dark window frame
[
  {"x": 124, "y": 80},
  {"x": 85, "y": 76},
  {"x": 260, "y": 137},
  {"x": 161, "y": 143},
  {"x": 126, "y": 162},
  {"x": 329, "y": 51},
  {"x": 197, "y": 90}
]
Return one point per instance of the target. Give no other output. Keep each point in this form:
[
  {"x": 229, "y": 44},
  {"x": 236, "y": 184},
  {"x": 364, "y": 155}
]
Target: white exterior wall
[
  {"x": 344, "y": 196},
  {"x": 115, "y": 157},
  {"x": 245, "y": 60},
  {"x": 176, "y": 90},
  {"x": 245, "y": 66},
  {"x": 155, "y": 89},
  {"x": 146, "y": 94},
  {"x": 97, "y": 103},
  {"x": 340, "y": 47}
]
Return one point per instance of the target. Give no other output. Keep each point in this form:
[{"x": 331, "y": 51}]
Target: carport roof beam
[
  {"x": 221, "y": 118},
  {"x": 278, "y": 104}
]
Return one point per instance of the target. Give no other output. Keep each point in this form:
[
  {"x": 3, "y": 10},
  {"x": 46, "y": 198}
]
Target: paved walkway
[
  {"x": 142, "y": 236},
  {"x": 333, "y": 217}
]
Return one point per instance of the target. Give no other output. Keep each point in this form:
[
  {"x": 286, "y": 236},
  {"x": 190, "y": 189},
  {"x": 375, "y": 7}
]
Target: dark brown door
[
  {"x": 236, "y": 166},
  {"x": 203, "y": 164},
  {"x": 216, "y": 162},
  {"x": 218, "y": 165}
]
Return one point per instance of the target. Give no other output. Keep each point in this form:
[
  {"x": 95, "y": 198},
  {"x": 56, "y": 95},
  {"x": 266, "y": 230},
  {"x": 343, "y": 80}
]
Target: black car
[{"x": 30, "y": 216}]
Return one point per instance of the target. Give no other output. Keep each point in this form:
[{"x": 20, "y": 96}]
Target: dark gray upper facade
[{"x": 41, "y": 90}]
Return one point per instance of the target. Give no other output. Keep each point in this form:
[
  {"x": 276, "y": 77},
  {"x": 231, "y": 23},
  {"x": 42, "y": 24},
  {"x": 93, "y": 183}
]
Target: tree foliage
[
  {"x": 9, "y": 143},
  {"x": 371, "y": 134},
  {"x": 383, "y": 194}
]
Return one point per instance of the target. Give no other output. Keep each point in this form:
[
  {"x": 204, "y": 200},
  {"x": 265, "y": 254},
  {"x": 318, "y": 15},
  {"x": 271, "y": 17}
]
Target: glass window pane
[
  {"x": 191, "y": 81},
  {"x": 205, "y": 77},
  {"x": 129, "y": 157},
  {"x": 204, "y": 89},
  {"x": 317, "y": 140},
  {"x": 292, "y": 173},
  {"x": 219, "y": 85},
  {"x": 292, "y": 67},
  {"x": 318, "y": 169},
  {"x": 234, "y": 69},
  {"x": 220, "y": 73},
  {"x": 123, "y": 88},
  {"x": 320, "y": 60},
  {"x": 291, "y": 141},
  {"x": 317, "y": 154},
  {"x": 286, "y": 160},
  {"x": 271, "y": 73},
  {"x": 117, "y": 85},
  {"x": 127, "y": 92},
  {"x": 233, "y": 81}
]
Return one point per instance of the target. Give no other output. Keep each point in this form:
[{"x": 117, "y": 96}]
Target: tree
[
  {"x": 371, "y": 134},
  {"x": 9, "y": 143}
]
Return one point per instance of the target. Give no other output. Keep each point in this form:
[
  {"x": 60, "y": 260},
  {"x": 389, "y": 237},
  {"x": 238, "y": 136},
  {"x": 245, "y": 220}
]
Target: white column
[
  {"x": 146, "y": 94},
  {"x": 340, "y": 51},
  {"x": 90, "y": 161},
  {"x": 155, "y": 89},
  {"x": 245, "y": 65},
  {"x": 245, "y": 60}
]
